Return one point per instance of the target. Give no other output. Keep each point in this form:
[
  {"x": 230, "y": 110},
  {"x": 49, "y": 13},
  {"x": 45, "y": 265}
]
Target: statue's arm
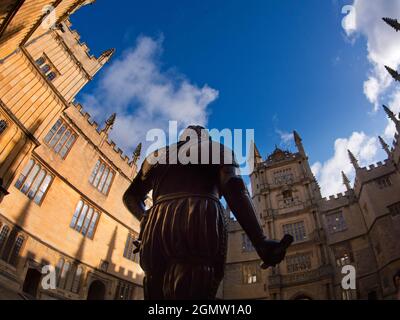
[{"x": 238, "y": 199}]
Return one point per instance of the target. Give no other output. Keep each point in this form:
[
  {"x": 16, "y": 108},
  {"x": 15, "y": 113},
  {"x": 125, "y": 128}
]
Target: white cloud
[
  {"x": 144, "y": 96},
  {"x": 365, "y": 148},
  {"x": 383, "y": 46},
  {"x": 383, "y": 43}
]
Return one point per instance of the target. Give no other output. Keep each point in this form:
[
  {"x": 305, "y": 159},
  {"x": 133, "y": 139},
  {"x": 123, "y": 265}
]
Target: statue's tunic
[{"x": 184, "y": 240}]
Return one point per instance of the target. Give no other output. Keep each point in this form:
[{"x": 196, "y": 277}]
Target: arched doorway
[
  {"x": 97, "y": 291},
  {"x": 32, "y": 282}
]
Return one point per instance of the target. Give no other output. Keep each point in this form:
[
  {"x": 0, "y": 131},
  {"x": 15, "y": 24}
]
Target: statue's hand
[{"x": 273, "y": 252}]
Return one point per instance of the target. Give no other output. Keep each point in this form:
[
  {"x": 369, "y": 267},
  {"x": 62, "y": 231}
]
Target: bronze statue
[{"x": 183, "y": 240}]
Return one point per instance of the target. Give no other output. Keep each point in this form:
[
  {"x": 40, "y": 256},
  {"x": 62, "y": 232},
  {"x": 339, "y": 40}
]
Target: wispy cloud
[{"x": 145, "y": 96}]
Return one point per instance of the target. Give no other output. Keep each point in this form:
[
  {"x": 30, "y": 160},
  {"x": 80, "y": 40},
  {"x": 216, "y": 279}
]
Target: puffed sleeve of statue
[{"x": 136, "y": 194}]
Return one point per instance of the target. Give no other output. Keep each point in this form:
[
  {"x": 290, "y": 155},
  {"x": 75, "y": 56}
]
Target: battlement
[
  {"x": 79, "y": 51},
  {"x": 77, "y": 37},
  {"x": 336, "y": 201},
  {"x": 98, "y": 135}
]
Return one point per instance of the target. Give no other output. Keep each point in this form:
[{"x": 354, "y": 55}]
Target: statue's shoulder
[
  {"x": 153, "y": 160},
  {"x": 221, "y": 154}
]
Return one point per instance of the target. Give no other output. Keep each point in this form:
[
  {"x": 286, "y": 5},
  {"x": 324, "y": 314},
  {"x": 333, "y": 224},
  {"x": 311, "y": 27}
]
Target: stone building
[
  {"x": 359, "y": 228},
  {"x": 62, "y": 177}
]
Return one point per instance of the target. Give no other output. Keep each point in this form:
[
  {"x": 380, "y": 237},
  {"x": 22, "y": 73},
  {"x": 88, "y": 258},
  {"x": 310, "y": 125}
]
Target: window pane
[
  {"x": 45, "y": 68},
  {"x": 58, "y": 136},
  {"x": 62, "y": 141},
  {"x": 43, "y": 188},
  {"x": 16, "y": 251},
  {"x": 64, "y": 274},
  {"x": 94, "y": 173},
  {"x": 36, "y": 184},
  {"x": 40, "y": 61},
  {"x": 108, "y": 182},
  {"x": 51, "y": 76},
  {"x": 30, "y": 178},
  {"x": 77, "y": 280},
  {"x": 103, "y": 180},
  {"x": 24, "y": 173},
  {"x": 78, "y": 226},
  {"x": 76, "y": 214},
  {"x": 3, "y": 236},
  {"x": 99, "y": 174},
  {"x": 67, "y": 146},
  {"x": 92, "y": 225},
  {"x": 59, "y": 267},
  {"x": 3, "y": 125},
  {"x": 127, "y": 245},
  {"x": 53, "y": 131},
  {"x": 87, "y": 221}
]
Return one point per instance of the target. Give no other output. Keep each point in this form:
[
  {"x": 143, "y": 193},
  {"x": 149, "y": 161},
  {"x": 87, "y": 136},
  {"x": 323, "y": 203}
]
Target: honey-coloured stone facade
[{"x": 41, "y": 71}]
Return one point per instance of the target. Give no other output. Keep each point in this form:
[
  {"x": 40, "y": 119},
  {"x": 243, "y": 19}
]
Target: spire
[
  {"x": 256, "y": 153},
  {"x": 385, "y": 146},
  {"x": 346, "y": 181},
  {"x": 393, "y": 23},
  {"x": 110, "y": 123},
  {"x": 392, "y": 117},
  {"x": 137, "y": 153},
  {"x": 353, "y": 160},
  {"x": 106, "y": 56},
  {"x": 395, "y": 75},
  {"x": 299, "y": 143}
]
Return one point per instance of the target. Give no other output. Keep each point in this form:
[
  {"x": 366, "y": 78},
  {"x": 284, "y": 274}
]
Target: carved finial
[
  {"x": 106, "y": 55},
  {"x": 110, "y": 123},
  {"x": 299, "y": 143},
  {"x": 137, "y": 153},
  {"x": 393, "y": 23},
  {"x": 392, "y": 117},
  {"x": 346, "y": 181},
  {"x": 353, "y": 160},
  {"x": 385, "y": 146},
  {"x": 395, "y": 75}
]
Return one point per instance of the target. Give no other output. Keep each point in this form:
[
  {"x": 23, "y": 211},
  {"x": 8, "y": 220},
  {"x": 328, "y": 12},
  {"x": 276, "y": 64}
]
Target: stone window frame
[
  {"x": 3, "y": 126},
  {"x": 51, "y": 72},
  {"x": 14, "y": 256},
  {"x": 129, "y": 247},
  {"x": 291, "y": 262},
  {"x": 341, "y": 225},
  {"x": 35, "y": 186},
  {"x": 63, "y": 140},
  {"x": 124, "y": 290},
  {"x": 82, "y": 219},
  {"x": 97, "y": 177},
  {"x": 251, "y": 273},
  {"x": 4, "y": 236},
  {"x": 384, "y": 182},
  {"x": 288, "y": 227}
]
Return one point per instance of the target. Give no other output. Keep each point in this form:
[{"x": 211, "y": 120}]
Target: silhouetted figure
[{"x": 183, "y": 241}]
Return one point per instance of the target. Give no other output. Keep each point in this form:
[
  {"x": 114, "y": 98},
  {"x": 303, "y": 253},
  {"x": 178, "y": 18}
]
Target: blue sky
[{"x": 274, "y": 66}]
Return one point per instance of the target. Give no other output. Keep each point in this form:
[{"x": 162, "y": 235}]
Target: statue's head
[{"x": 194, "y": 130}]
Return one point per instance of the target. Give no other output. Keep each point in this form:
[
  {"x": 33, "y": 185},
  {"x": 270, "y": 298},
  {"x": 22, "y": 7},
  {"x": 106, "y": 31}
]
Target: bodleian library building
[{"x": 62, "y": 181}]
